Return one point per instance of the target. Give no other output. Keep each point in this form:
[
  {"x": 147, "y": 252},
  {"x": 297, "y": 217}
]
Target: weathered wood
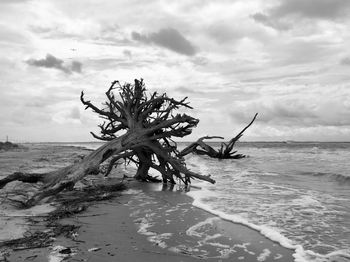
[
  {"x": 207, "y": 150},
  {"x": 147, "y": 123},
  {"x": 23, "y": 177},
  {"x": 225, "y": 151}
]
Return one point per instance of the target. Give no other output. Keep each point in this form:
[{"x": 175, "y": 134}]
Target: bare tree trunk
[
  {"x": 144, "y": 160},
  {"x": 148, "y": 122}
]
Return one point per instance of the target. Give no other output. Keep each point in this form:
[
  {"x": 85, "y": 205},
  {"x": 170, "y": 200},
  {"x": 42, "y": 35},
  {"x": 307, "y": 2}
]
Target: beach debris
[
  {"x": 39, "y": 239},
  {"x": 66, "y": 251},
  {"x": 94, "y": 249},
  {"x": 29, "y": 258},
  {"x": 3, "y": 255},
  {"x": 75, "y": 235},
  {"x": 138, "y": 127},
  {"x": 29, "y": 241},
  {"x": 60, "y": 253},
  {"x": 70, "y": 203},
  {"x": 226, "y": 149}
]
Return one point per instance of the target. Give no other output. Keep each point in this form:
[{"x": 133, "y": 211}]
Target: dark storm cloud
[
  {"x": 169, "y": 38},
  {"x": 51, "y": 61},
  {"x": 327, "y": 9},
  {"x": 279, "y": 16}
]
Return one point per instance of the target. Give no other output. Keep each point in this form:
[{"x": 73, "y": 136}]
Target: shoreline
[
  {"x": 146, "y": 223},
  {"x": 206, "y": 233}
]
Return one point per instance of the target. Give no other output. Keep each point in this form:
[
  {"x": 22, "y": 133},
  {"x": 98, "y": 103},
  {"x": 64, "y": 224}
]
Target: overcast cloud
[
  {"x": 288, "y": 60},
  {"x": 169, "y": 38},
  {"x": 52, "y": 62}
]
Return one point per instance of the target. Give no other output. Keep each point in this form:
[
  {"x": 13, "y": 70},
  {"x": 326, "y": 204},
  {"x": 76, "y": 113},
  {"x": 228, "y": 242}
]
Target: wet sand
[{"x": 148, "y": 224}]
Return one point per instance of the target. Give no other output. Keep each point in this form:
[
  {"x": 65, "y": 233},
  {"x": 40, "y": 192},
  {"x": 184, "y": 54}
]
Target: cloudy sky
[{"x": 289, "y": 60}]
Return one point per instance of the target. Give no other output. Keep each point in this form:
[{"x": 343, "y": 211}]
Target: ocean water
[{"x": 297, "y": 194}]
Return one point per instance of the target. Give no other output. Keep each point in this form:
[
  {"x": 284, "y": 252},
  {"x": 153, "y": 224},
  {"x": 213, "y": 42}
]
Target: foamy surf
[{"x": 300, "y": 254}]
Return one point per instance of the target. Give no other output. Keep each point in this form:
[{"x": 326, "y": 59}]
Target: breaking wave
[{"x": 330, "y": 176}]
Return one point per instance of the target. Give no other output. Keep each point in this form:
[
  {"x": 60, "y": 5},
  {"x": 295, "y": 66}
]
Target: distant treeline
[{"x": 7, "y": 145}]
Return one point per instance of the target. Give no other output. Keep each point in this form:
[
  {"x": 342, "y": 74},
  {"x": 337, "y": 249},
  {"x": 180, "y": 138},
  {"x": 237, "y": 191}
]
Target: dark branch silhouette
[
  {"x": 138, "y": 127},
  {"x": 226, "y": 150}
]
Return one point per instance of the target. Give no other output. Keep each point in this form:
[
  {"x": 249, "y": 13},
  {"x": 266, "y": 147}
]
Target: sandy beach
[{"x": 148, "y": 223}]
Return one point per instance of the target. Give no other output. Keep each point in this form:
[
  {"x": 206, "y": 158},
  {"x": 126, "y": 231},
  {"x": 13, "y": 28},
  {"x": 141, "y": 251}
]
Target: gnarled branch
[{"x": 225, "y": 151}]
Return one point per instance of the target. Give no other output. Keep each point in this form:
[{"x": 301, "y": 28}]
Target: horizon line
[{"x": 187, "y": 141}]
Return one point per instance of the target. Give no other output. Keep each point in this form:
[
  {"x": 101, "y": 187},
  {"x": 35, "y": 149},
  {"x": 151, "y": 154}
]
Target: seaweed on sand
[{"x": 69, "y": 204}]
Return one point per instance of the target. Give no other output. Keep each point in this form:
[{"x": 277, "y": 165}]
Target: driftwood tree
[
  {"x": 137, "y": 127},
  {"x": 226, "y": 149}
]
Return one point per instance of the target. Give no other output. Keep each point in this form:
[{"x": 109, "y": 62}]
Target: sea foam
[{"x": 300, "y": 255}]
